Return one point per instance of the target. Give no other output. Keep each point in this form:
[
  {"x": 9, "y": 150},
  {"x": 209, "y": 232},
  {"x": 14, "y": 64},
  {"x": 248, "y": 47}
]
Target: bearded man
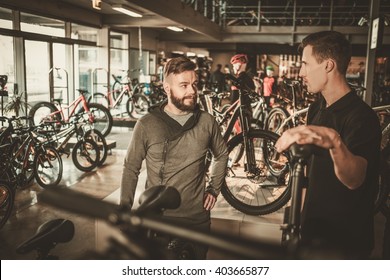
[{"x": 174, "y": 139}]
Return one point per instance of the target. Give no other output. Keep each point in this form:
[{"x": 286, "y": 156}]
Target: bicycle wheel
[
  {"x": 85, "y": 155},
  {"x": 261, "y": 192},
  {"x": 102, "y": 118},
  {"x": 24, "y": 170},
  {"x": 99, "y": 98},
  {"x": 42, "y": 110},
  {"x": 7, "y": 196},
  {"x": 275, "y": 119},
  {"x": 117, "y": 88},
  {"x": 48, "y": 167},
  {"x": 137, "y": 106},
  {"x": 96, "y": 136}
]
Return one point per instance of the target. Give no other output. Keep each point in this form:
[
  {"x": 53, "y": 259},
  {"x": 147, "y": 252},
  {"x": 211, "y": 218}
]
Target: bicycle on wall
[{"x": 98, "y": 115}]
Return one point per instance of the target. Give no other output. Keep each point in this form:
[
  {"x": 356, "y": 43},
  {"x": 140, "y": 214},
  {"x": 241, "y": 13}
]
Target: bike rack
[
  {"x": 56, "y": 86},
  {"x": 95, "y": 78}
]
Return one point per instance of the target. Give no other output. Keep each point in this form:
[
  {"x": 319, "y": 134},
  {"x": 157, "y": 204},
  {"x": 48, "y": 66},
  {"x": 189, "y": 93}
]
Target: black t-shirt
[{"x": 333, "y": 213}]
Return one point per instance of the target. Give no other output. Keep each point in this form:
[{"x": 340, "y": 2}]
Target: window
[
  {"x": 5, "y": 18},
  {"x": 119, "y": 55},
  {"x": 86, "y": 57},
  {"x": 37, "y": 71},
  {"x": 42, "y": 25}
]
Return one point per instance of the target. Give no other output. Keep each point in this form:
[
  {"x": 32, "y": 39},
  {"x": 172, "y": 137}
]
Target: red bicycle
[{"x": 98, "y": 115}]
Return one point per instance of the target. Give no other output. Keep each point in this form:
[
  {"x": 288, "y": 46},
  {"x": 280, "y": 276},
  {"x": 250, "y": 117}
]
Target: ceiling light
[
  {"x": 174, "y": 28},
  {"x": 126, "y": 10}
]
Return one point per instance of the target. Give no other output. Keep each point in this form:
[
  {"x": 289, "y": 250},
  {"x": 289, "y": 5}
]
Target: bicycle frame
[
  {"x": 61, "y": 108},
  {"x": 293, "y": 117},
  {"x": 113, "y": 103},
  {"x": 66, "y": 133}
]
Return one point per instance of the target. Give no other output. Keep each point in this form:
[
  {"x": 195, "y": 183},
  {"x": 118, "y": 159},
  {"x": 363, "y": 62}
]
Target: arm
[
  {"x": 132, "y": 165},
  {"x": 218, "y": 167},
  {"x": 350, "y": 169}
]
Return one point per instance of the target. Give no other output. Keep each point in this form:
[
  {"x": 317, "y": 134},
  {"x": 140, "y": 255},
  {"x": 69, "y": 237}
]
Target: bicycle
[
  {"x": 98, "y": 115},
  {"x": 279, "y": 119},
  {"x": 139, "y": 226},
  {"x": 23, "y": 159},
  {"x": 27, "y": 156},
  {"x": 7, "y": 197},
  {"x": 137, "y": 104},
  {"x": 258, "y": 176},
  {"x": 90, "y": 149}
]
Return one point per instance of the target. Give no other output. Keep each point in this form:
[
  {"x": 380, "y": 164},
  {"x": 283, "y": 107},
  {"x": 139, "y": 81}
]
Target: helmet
[
  {"x": 269, "y": 67},
  {"x": 239, "y": 58}
]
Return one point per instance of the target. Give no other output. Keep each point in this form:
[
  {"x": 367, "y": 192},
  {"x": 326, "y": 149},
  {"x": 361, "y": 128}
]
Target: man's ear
[
  {"x": 166, "y": 87},
  {"x": 330, "y": 65}
]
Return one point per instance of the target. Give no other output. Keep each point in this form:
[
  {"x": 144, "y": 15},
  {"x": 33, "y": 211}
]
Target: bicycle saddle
[
  {"x": 158, "y": 198},
  {"x": 48, "y": 235},
  {"x": 304, "y": 151}
]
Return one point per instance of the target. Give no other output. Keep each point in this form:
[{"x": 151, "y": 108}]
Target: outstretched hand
[{"x": 324, "y": 137}]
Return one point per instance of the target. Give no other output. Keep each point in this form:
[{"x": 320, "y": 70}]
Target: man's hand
[
  {"x": 324, "y": 137},
  {"x": 209, "y": 201},
  {"x": 349, "y": 168}
]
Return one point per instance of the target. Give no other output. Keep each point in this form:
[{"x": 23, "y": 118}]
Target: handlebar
[
  {"x": 291, "y": 82},
  {"x": 89, "y": 206},
  {"x": 237, "y": 83}
]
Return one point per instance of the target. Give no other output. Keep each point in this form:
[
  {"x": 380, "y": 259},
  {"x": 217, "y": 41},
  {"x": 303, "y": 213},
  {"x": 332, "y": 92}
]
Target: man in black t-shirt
[
  {"x": 338, "y": 206},
  {"x": 239, "y": 62}
]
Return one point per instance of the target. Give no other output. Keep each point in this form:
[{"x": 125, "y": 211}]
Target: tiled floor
[{"x": 104, "y": 182}]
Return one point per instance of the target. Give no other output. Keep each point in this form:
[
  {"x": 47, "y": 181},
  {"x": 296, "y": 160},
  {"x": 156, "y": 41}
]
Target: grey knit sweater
[{"x": 175, "y": 157}]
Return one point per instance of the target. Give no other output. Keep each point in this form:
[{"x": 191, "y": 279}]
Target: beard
[{"x": 185, "y": 104}]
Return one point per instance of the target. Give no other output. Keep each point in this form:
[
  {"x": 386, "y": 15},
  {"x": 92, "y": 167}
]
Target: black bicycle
[
  {"x": 140, "y": 227},
  {"x": 257, "y": 181}
]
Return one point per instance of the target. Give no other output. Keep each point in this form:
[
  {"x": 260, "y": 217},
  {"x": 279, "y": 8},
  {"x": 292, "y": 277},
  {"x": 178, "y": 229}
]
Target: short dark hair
[
  {"x": 329, "y": 44},
  {"x": 178, "y": 65}
]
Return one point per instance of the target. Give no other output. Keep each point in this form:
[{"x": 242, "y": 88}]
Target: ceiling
[{"x": 199, "y": 31}]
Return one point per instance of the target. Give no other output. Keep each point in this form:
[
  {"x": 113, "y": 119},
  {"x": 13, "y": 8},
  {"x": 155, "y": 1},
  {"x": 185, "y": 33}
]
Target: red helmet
[{"x": 239, "y": 58}]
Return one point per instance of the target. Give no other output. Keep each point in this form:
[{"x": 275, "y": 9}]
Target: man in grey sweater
[{"x": 174, "y": 139}]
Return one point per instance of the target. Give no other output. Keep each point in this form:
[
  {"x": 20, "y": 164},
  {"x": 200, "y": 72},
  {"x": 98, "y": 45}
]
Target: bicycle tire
[
  {"x": 7, "y": 198},
  {"x": 117, "y": 88},
  {"x": 137, "y": 106},
  {"x": 42, "y": 110},
  {"x": 48, "y": 167},
  {"x": 99, "y": 98},
  {"x": 24, "y": 174},
  {"x": 85, "y": 155},
  {"x": 98, "y": 137},
  {"x": 261, "y": 193},
  {"x": 275, "y": 119},
  {"x": 102, "y": 118}
]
